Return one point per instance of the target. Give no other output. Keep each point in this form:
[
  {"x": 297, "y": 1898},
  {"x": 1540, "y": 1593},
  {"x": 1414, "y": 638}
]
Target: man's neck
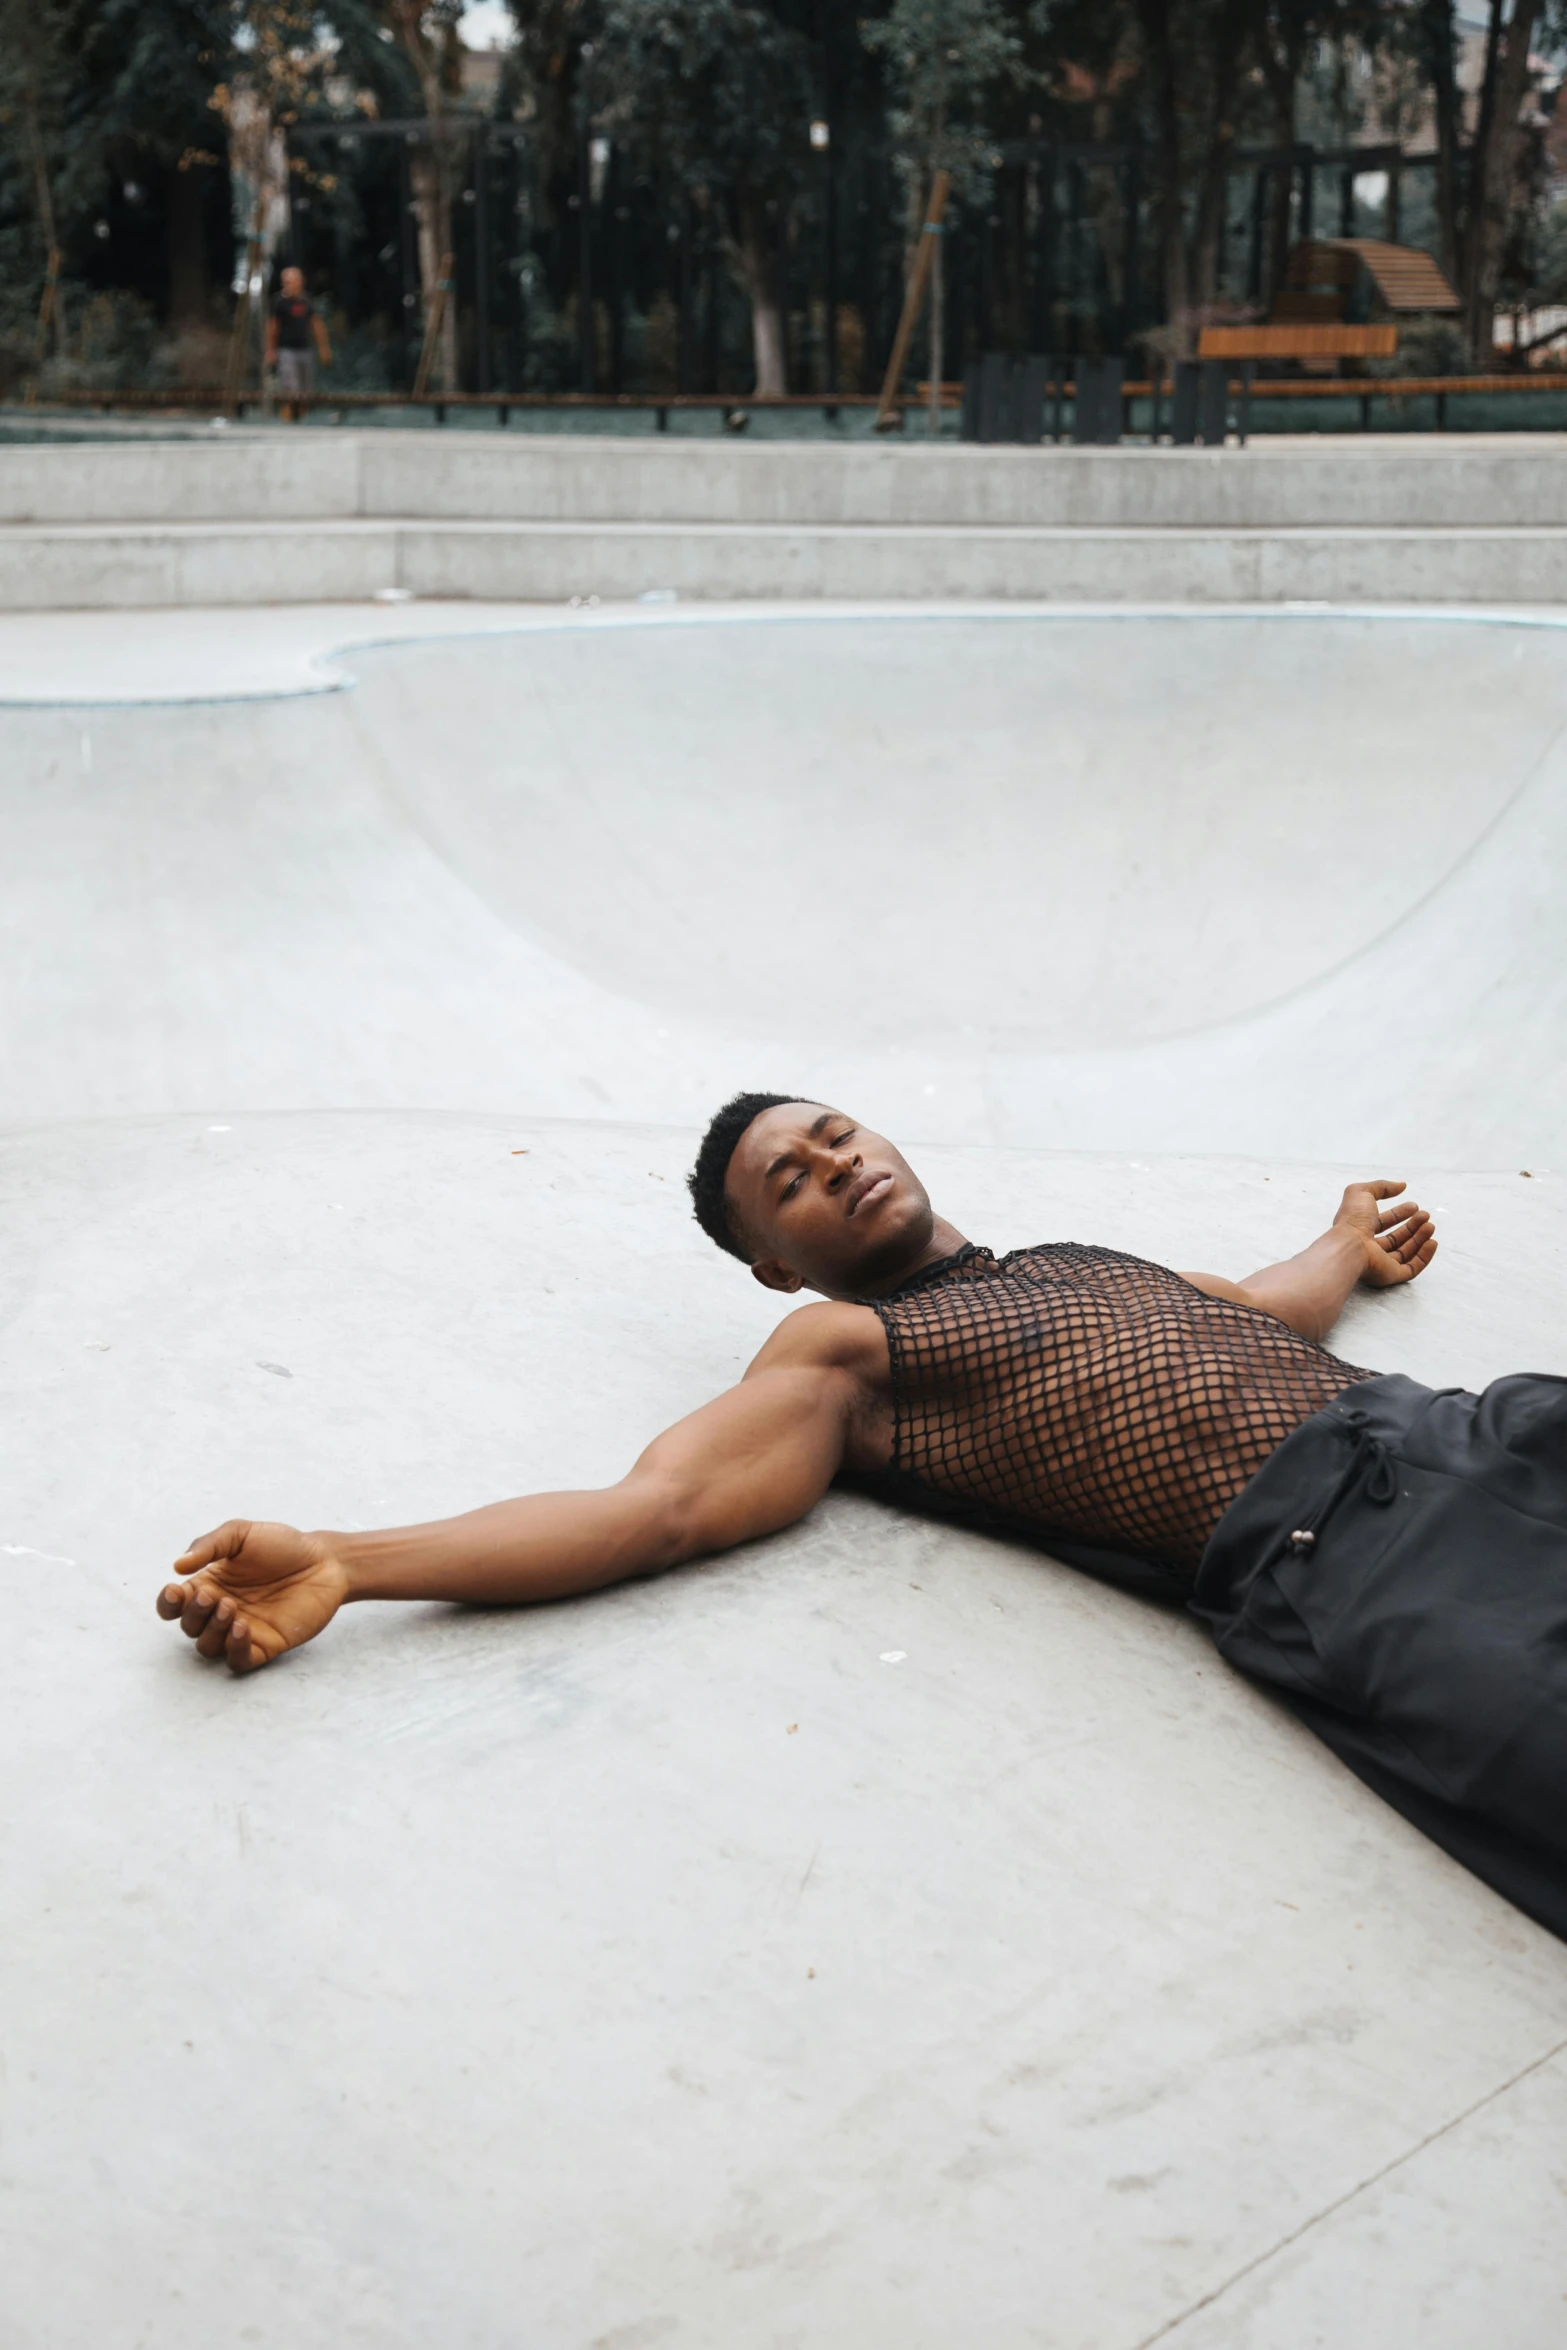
[{"x": 944, "y": 1241}]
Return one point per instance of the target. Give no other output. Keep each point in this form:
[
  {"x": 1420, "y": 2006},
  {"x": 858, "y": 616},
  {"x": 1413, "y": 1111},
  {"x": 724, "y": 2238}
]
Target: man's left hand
[{"x": 1398, "y": 1242}]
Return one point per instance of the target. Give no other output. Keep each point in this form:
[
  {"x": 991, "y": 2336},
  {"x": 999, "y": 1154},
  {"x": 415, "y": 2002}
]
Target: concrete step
[
  {"x": 141, "y": 564},
  {"x": 324, "y": 475}
]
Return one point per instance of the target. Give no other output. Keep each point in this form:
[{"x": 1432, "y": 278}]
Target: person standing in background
[{"x": 296, "y": 334}]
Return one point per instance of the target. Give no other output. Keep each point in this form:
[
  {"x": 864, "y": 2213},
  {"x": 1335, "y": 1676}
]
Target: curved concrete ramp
[{"x": 1280, "y": 881}]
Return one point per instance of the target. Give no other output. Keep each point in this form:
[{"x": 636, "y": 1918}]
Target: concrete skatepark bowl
[{"x": 885, "y": 1935}]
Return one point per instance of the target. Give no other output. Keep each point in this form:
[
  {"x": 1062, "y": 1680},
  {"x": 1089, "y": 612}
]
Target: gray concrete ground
[{"x": 884, "y": 1935}]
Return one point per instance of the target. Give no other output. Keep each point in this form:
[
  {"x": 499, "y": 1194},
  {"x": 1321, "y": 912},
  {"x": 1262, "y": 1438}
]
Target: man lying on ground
[{"x": 1392, "y": 1560}]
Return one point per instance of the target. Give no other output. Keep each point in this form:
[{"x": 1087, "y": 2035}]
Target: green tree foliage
[
  {"x": 36, "y": 88},
  {"x": 123, "y": 90},
  {"x": 719, "y": 93},
  {"x": 123, "y": 102},
  {"x": 944, "y": 60},
  {"x": 114, "y": 147}
]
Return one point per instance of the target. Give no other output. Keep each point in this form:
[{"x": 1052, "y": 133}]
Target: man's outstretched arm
[
  {"x": 1365, "y": 1242},
  {"x": 749, "y": 1463}
]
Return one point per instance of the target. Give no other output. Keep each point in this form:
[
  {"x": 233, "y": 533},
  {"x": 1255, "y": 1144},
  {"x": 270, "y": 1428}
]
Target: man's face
[
  {"x": 293, "y": 281},
  {"x": 824, "y": 1204}
]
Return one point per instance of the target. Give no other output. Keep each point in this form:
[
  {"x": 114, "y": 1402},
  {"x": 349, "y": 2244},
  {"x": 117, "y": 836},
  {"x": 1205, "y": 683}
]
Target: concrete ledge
[
  {"x": 261, "y": 476},
  {"x": 279, "y": 562},
  {"x": 77, "y": 567},
  {"x": 291, "y": 517},
  {"x": 322, "y": 475},
  {"x": 1254, "y": 488},
  {"x": 544, "y": 561}
]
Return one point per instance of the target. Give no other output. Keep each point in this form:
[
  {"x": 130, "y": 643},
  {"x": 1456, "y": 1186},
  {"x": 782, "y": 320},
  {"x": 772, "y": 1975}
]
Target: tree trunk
[
  {"x": 761, "y": 281},
  {"x": 1281, "y": 73},
  {"x": 1485, "y": 108},
  {"x": 1496, "y": 155},
  {"x": 1209, "y": 232},
  {"x": 1439, "y": 44},
  {"x": 767, "y": 341},
  {"x": 239, "y": 334},
  {"x": 51, "y": 317},
  {"x": 185, "y": 233},
  {"x": 428, "y": 176},
  {"x": 938, "y": 287},
  {"x": 1485, "y": 115},
  {"x": 1155, "y": 16},
  {"x": 938, "y": 336},
  {"x": 1213, "y": 192},
  {"x": 434, "y": 58}
]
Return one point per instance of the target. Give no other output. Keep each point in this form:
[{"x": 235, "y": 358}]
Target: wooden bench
[{"x": 1300, "y": 339}]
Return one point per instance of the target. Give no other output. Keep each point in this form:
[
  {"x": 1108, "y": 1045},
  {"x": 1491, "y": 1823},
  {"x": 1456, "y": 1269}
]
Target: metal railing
[
  {"x": 724, "y": 406},
  {"x": 1060, "y": 253}
]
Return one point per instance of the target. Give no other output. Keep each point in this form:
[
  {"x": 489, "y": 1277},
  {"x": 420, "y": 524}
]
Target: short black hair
[{"x": 706, "y": 1179}]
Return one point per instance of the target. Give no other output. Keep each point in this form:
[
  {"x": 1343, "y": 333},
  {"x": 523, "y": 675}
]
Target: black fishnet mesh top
[{"x": 1082, "y": 1393}]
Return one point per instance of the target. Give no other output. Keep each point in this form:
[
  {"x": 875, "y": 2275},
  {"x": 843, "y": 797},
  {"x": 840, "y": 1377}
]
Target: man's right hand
[
  {"x": 747, "y": 1464},
  {"x": 249, "y": 1591}
]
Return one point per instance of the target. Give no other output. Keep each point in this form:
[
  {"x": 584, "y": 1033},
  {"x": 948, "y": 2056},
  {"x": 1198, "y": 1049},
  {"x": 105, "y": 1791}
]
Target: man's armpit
[{"x": 1215, "y": 1285}]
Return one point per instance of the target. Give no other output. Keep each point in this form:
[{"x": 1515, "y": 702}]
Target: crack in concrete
[{"x": 1374, "y": 2179}]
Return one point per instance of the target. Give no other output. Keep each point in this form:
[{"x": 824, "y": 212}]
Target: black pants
[{"x": 1420, "y": 1629}]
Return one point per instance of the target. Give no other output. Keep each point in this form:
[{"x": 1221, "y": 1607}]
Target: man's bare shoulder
[{"x": 827, "y": 1337}]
